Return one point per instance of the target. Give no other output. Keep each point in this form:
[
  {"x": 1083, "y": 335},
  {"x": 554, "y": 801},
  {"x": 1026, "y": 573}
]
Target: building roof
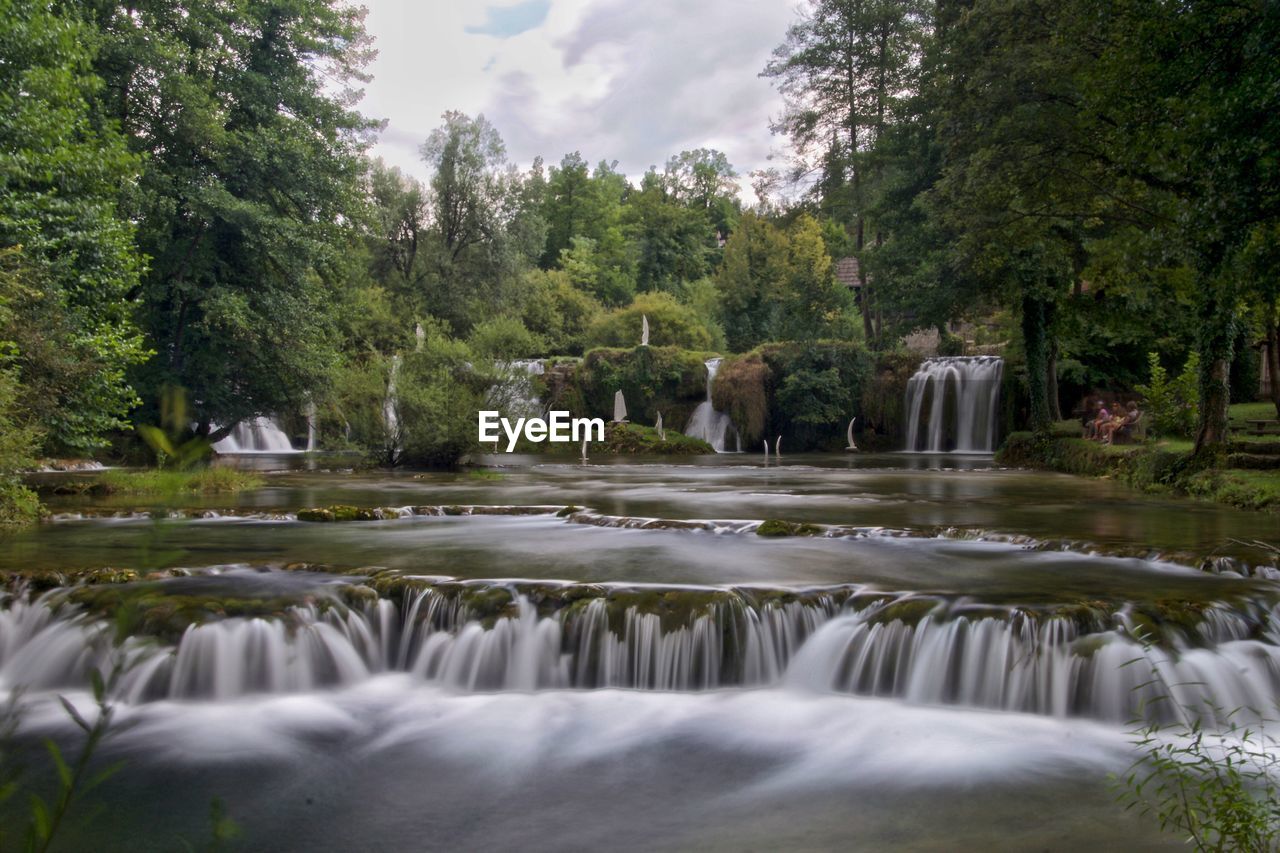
[{"x": 847, "y": 272}]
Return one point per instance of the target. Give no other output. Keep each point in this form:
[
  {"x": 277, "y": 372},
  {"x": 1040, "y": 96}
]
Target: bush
[
  {"x": 670, "y": 324},
  {"x": 439, "y": 393},
  {"x": 557, "y": 312},
  {"x": 504, "y": 338},
  {"x": 805, "y": 392},
  {"x": 18, "y": 444},
  {"x": 652, "y": 379},
  {"x": 1172, "y": 405}
]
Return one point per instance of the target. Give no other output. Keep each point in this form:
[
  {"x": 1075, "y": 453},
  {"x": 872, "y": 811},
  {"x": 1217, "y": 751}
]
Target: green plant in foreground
[
  {"x": 1216, "y": 786},
  {"x": 1214, "y": 783}
]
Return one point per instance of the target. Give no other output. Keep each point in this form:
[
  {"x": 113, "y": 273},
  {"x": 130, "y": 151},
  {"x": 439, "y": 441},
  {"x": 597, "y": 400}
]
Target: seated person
[
  {"x": 1094, "y": 430},
  {"x": 1118, "y": 423}
]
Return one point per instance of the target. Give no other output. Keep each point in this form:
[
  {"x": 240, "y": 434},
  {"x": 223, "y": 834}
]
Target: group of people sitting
[{"x": 1103, "y": 426}]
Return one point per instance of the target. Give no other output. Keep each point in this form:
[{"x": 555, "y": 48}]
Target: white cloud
[{"x": 615, "y": 79}]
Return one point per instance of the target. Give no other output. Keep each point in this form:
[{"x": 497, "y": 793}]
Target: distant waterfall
[
  {"x": 393, "y": 437},
  {"x": 709, "y": 425},
  {"x": 258, "y": 435},
  {"x": 963, "y": 395},
  {"x": 495, "y": 637}
]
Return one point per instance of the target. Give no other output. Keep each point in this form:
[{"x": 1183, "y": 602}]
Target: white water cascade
[
  {"x": 709, "y": 425},
  {"x": 257, "y": 435},
  {"x": 840, "y": 640},
  {"x": 963, "y": 395},
  {"x": 393, "y": 436}
]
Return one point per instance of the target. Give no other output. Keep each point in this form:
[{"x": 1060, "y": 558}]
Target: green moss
[
  {"x": 908, "y": 611},
  {"x": 343, "y": 512},
  {"x": 567, "y": 511},
  {"x": 775, "y": 527},
  {"x": 634, "y": 438}
]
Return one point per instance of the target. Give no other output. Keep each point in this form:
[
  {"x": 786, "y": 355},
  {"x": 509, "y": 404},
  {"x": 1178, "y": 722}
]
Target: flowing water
[
  {"x": 255, "y": 435},
  {"x": 610, "y": 655},
  {"x": 960, "y": 395},
  {"x": 713, "y": 427}
]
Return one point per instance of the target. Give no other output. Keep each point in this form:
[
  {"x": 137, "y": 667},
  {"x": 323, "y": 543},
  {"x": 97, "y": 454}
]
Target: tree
[
  {"x": 474, "y": 201},
  {"x": 844, "y": 70},
  {"x": 811, "y": 302},
  {"x": 673, "y": 243},
  {"x": 750, "y": 280},
  {"x": 252, "y": 164},
  {"x": 71, "y": 268}
]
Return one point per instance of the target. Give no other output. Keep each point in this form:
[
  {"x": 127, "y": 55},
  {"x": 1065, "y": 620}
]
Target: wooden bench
[{"x": 1263, "y": 426}]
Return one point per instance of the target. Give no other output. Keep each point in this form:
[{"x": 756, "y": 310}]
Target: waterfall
[
  {"x": 470, "y": 636},
  {"x": 311, "y": 426},
  {"x": 391, "y": 413},
  {"x": 257, "y": 435},
  {"x": 965, "y": 387},
  {"x": 709, "y": 425},
  {"x": 515, "y": 394}
]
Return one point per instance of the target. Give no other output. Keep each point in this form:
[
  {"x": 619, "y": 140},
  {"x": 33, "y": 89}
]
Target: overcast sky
[{"x": 628, "y": 80}]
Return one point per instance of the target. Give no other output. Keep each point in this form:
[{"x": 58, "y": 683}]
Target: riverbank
[{"x": 1247, "y": 476}]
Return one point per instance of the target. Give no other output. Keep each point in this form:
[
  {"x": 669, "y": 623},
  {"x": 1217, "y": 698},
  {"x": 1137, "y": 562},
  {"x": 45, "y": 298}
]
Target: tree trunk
[
  {"x": 1216, "y": 340},
  {"x": 1036, "y": 315},
  {"x": 1273, "y": 361},
  {"x": 1051, "y": 379}
]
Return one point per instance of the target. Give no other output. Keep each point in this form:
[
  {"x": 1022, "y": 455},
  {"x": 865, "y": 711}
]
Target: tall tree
[
  {"x": 844, "y": 69},
  {"x": 252, "y": 161},
  {"x": 71, "y": 263}
]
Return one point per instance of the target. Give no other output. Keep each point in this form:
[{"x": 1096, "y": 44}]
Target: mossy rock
[
  {"x": 567, "y": 511},
  {"x": 43, "y": 580},
  {"x": 909, "y": 611},
  {"x": 339, "y": 512},
  {"x": 774, "y": 527}
]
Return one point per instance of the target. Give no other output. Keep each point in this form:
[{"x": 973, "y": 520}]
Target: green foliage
[
  {"x": 248, "y": 191},
  {"x": 18, "y": 443},
  {"x": 637, "y": 438},
  {"x": 503, "y": 338},
  {"x": 750, "y": 279},
  {"x": 804, "y": 392},
  {"x": 742, "y": 391},
  {"x": 670, "y": 324},
  {"x": 439, "y": 390},
  {"x": 811, "y": 303},
  {"x": 555, "y": 310},
  {"x": 1217, "y": 787},
  {"x": 652, "y": 379},
  {"x": 1171, "y": 404},
  {"x": 61, "y": 177}
]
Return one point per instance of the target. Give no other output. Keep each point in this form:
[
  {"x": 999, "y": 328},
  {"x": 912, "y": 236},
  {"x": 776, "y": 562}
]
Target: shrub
[
  {"x": 652, "y": 379},
  {"x": 1172, "y": 405},
  {"x": 504, "y": 338},
  {"x": 670, "y": 324}
]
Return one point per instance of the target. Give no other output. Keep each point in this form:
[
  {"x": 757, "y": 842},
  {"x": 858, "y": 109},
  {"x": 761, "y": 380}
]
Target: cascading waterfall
[
  {"x": 256, "y": 435},
  {"x": 394, "y": 438},
  {"x": 515, "y": 395},
  {"x": 965, "y": 387},
  {"x": 844, "y": 639},
  {"x": 709, "y": 425}
]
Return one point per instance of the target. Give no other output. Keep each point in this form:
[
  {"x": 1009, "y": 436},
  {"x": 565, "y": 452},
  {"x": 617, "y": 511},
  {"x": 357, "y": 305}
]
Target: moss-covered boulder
[
  {"x": 774, "y": 527},
  {"x": 634, "y": 438}
]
